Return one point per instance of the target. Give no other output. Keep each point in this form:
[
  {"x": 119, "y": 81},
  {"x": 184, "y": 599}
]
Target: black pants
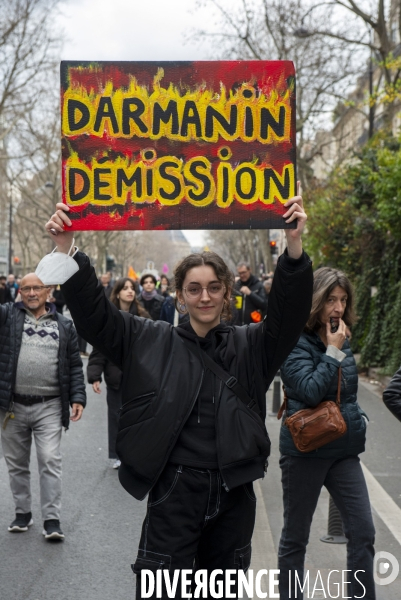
[
  {"x": 303, "y": 479},
  {"x": 193, "y": 523},
  {"x": 114, "y": 402}
]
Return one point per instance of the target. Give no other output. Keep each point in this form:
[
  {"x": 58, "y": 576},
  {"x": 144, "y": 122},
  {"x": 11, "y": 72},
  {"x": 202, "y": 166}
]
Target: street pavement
[
  {"x": 102, "y": 523},
  {"x": 382, "y": 466}
]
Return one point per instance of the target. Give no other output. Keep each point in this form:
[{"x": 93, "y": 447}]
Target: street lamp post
[{"x": 10, "y": 237}]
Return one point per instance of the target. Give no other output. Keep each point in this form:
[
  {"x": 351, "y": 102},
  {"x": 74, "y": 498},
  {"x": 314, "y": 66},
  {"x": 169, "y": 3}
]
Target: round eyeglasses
[{"x": 214, "y": 290}]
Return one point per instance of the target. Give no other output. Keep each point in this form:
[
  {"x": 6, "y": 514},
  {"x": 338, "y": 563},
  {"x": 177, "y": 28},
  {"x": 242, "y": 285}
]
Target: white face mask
[{"x": 56, "y": 268}]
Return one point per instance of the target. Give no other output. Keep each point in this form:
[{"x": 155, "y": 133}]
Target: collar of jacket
[
  {"x": 315, "y": 338},
  {"x": 50, "y": 308}
]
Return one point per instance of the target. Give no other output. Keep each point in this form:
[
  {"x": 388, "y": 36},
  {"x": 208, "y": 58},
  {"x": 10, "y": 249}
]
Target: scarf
[{"x": 148, "y": 295}]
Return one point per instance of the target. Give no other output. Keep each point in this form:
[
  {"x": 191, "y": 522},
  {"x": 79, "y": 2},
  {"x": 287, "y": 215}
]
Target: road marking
[
  {"x": 384, "y": 505},
  {"x": 264, "y": 555}
]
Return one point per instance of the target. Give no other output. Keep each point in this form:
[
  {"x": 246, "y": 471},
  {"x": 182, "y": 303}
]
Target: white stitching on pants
[
  {"x": 167, "y": 494},
  {"x": 218, "y": 499},
  {"x": 248, "y": 494}
]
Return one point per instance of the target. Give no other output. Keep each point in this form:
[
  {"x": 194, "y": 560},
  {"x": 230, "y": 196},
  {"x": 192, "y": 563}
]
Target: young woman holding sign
[{"x": 192, "y": 432}]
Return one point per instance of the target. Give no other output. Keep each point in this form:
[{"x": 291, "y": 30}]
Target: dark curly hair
[{"x": 223, "y": 274}]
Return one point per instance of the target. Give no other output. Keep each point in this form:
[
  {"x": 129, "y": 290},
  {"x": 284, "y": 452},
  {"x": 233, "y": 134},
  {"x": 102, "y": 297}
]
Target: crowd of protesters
[{"x": 305, "y": 330}]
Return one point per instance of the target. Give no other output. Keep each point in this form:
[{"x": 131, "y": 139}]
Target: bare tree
[
  {"x": 251, "y": 246},
  {"x": 27, "y": 51},
  {"x": 28, "y": 54},
  {"x": 379, "y": 25},
  {"x": 274, "y": 30}
]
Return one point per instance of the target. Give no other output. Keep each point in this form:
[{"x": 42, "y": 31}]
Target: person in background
[
  {"x": 41, "y": 379},
  {"x": 149, "y": 299},
  {"x": 12, "y": 288},
  {"x": 164, "y": 287},
  {"x": 4, "y": 291},
  {"x": 310, "y": 376},
  {"x": 124, "y": 298},
  {"x": 392, "y": 395},
  {"x": 251, "y": 301},
  {"x": 267, "y": 284},
  {"x": 56, "y": 296},
  {"x": 105, "y": 280}
]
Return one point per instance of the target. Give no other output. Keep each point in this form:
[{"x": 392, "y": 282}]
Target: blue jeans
[{"x": 302, "y": 479}]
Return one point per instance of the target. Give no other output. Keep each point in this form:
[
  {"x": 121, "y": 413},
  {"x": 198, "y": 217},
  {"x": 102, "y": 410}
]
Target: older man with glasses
[{"x": 42, "y": 378}]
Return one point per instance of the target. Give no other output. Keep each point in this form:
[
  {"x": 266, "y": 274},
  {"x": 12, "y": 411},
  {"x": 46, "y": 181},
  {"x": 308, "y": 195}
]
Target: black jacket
[
  {"x": 71, "y": 377},
  {"x": 256, "y": 301},
  {"x": 98, "y": 364},
  {"x": 392, "y": 395},
  {"x": 162, "y": 376},
  {"x": 5, "y": 295},
  {"x": 153, "y": 306}
]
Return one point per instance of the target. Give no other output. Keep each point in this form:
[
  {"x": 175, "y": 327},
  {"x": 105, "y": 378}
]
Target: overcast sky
[{"x": 133, "y": 30}]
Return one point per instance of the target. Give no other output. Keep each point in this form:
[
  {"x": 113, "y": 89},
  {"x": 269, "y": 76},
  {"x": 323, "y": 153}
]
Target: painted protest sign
[{"x": 178, "y": 145}]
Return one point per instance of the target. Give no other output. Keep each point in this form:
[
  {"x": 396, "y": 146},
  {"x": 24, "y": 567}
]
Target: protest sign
[{"x": 178, "y": 145}]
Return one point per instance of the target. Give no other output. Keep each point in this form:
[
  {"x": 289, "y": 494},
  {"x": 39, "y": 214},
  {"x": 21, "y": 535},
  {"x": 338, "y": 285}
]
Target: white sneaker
[{"x": 116, "y": 464}]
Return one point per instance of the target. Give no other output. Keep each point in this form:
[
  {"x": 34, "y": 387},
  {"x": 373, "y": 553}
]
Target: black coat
[
  {"x": 162, "y": 376},
  {"x": 255, "y": 301},
  {"x": 71, "y": 377},
  {"x": 153, "y": 306},
  {"x": 392, "y": 395},
  {"x": 4, "y": 295}
]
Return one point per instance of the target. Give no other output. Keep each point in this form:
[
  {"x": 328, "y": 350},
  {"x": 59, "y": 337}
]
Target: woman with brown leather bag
[{"x": 323, "y": 432}]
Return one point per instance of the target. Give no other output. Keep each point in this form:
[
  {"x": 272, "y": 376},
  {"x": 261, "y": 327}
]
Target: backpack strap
[{"x": 231, "y": 382}]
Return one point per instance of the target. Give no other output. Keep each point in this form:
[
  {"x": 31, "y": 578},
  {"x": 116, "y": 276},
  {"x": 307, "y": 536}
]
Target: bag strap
[
  {"x": 283, "y": 407},
  {"x": 230, "y": 381}
]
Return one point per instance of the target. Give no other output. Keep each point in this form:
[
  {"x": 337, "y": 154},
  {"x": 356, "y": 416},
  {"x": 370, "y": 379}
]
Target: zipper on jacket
[{"x": 178, "y": 432}]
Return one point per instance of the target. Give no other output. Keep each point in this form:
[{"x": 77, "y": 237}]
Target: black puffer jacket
[
  {"x": 392, "y": 395},
  {"x": 162, "y": 375},
  {"x": 71, "y": 377},
  {"x": 310, "y": 376},
  {"x": 255, "y": 301}
]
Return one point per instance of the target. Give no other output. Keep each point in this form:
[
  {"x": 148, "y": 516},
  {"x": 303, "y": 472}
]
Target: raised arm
[
  {"x": 289, "y": 307},
  {"x": 97, "y": 320},
  {"x": 290, "y": 299}
]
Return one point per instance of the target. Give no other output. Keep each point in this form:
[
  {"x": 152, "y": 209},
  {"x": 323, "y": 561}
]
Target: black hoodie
[{"x": 196, "y": 445}]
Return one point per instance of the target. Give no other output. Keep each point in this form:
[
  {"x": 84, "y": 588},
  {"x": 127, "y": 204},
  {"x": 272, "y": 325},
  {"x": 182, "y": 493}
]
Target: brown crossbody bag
[{"x": 312, "y": 428}]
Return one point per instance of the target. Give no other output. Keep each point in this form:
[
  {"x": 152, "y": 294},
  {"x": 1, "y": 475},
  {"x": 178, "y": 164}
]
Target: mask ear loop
[
  {"x": 68, "y": 253},
  {"x": 72, "y": 246}
]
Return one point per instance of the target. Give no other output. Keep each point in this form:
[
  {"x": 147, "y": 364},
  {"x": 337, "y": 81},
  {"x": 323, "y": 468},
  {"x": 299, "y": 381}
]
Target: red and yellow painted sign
[{"x": 178, "y": 145}]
